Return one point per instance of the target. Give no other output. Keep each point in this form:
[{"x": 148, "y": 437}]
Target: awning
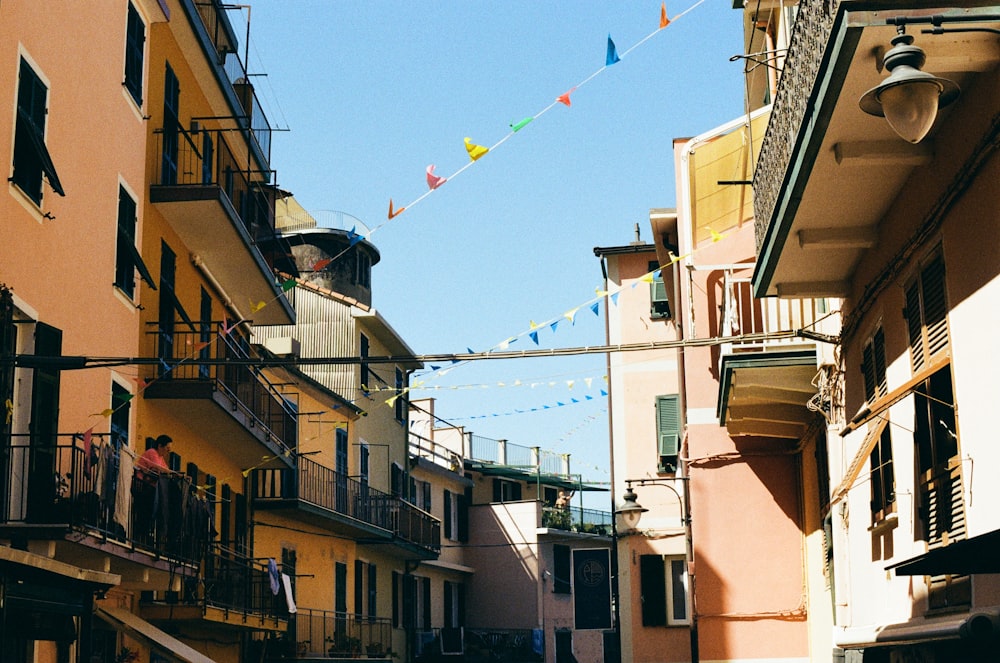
[
  {"x": 980, "y": 554},
  {"x": 164, "y": 644},
  {"x": 564, "y": 481}
]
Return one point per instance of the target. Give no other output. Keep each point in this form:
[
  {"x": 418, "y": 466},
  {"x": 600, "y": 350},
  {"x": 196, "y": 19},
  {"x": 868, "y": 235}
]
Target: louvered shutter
[{"x": 668, "y": 424}]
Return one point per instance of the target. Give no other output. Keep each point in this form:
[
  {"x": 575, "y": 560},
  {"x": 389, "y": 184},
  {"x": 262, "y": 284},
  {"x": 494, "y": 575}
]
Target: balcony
[
  {"x": 828, "y": 173},
  {"x": 220, "y": 208},
  {"x": 220, "y": 40},
  {"x": 765, "y": 385},
  {"x": 232, "y": 589},
  {"x": 476, "y": 645},
  {"x": 255, "y": 408},
  {"x": 327, "y": 498},
  {"x": 322, "y": 634},
  {"x": 78, "y": 492},
  {"x": 340, "y": 503},
  {"x": 583, "y": 521}
]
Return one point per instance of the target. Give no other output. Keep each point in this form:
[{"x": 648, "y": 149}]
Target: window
[
  {"x": 883, "y": 480},
  {"x": 564, "y": 646},
  {"x": 456, "y": 516},
  {"x": 360, "y": 576},
  {"x": 135, "y": 42},
  {"x": 668, "y": 431},
  {"x": 561, "y": 569},
  {"x": 454, "y": 604},
  {"x": 659, "y": 303},
  {"x": 120, "y": 410},
  {"x": 506, "y": 491},
  {"x": 31, "y": 156},
  {"x": 340, "y": 588},
  {"x": 171, "y": 127},
  {"x": 415, "y": 609},
  {"x": 363, "y": 275},
  {"x": 664, "y": 587},
  {"x": 127, "y": 257}
]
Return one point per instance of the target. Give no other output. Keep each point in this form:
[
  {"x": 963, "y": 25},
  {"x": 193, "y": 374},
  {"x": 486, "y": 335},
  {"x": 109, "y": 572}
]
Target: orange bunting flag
[
  {"x": 198, "y": 347},
  {"x": 434, "y": 181},
  {"x": 475, "y": 151},
  {"x": 393, "y": 214},
  {"x": 564, "y": 98},
  {"x": 320, "y": 264},
  {"x": 256, "y": 307},
  {"x": 664, "y": 21}
]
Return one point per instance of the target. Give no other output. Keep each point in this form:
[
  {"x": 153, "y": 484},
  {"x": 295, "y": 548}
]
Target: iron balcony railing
[
  {"x": 187, "y": 356},
  {"x": 87, "y": 483},
  {"x": 327, "y": 634},
  {"x": 323, "y": 487},
  {"x": 570, "y": 519},
  {"x": 340, "y": 494},
  {"x": 223, "y": 37},
  {"x": 235, "y": 583},
  {"x": 202, "y": 157},
  {"x": 530, "y": 459},
  {"x": 434, "y": 452}
]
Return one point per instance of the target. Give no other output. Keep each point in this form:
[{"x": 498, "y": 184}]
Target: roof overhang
[
  {"x": 847, "y": 168},
  {"x": 221, "y": 247},
  {"x": 373, "y": 321},
  {"x": 765, "y": 393}
]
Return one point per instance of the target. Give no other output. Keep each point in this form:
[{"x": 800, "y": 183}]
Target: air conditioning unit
[{"x": 283, "y": 346}]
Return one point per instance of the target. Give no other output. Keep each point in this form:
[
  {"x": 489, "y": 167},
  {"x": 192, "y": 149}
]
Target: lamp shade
[
  {"x": 908, "y": 98},
  {"x": 630, "y": 511}
]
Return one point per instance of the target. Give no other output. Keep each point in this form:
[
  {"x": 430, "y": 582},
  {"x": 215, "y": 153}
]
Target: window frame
[
  {"x": 660, "y": 590},
  {"x": 31, "y": 161},
  {"x": 135, "y": 54},
  {"x": 668, "y": 423}
]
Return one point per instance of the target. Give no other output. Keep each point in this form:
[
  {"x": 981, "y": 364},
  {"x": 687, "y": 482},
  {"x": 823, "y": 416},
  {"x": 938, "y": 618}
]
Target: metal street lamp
[{"x": 909, "y": 98}]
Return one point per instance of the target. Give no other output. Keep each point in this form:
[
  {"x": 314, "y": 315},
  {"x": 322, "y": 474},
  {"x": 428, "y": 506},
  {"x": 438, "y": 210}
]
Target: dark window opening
[{"x": 135, "y": 41}]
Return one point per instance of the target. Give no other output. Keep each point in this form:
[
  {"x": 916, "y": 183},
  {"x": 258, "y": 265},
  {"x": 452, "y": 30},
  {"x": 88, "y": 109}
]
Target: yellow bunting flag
[
  {"x": 9, "y": 406},
  {"x": 475, "y": 151},
  {"x": 648, "y": 278},
  {"x": 106, "y": 412},
  {"x": 256, "y": 307},
  {"x": 715, "y": 236}
]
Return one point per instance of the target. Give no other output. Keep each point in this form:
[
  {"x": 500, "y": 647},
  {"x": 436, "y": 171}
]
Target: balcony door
[{"x": 43, "y": 428}]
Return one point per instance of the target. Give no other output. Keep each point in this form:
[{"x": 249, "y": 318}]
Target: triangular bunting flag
[
  {"x": 288, "y": 285},
  {"x": 433, "y": 181},
  {"x": 614, "y": 299},
  {"x": 475, "y": 151},
  {"x": 353, "y": 237},
  {"x": 571, "y": 315},
  {"x": 394, "y": 213},
  {"x": 517, "y": 126},
  {"x": 564, "y": 97},
  {"x": 595, "y": 307},
  {"x": 664, "y": 21},
  {"x": 534, "y": 336},
  {"x": 612, "y": 53},
  {"x": 553, "y": 325},
  {"x": 256, "y": 307},
  {"x": 715, "y": 236},
  {"x": 320, "y": 264}
]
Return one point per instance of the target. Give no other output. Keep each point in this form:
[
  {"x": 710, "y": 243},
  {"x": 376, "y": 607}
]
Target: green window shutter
[{"x": 668, "y": 424}]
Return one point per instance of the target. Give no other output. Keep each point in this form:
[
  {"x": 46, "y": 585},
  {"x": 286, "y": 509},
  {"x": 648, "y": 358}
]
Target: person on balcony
[{"x": 149, "y": 468}]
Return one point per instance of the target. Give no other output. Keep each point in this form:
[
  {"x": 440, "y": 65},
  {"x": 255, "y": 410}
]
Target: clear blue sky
[{"x": 373, "y": 92}]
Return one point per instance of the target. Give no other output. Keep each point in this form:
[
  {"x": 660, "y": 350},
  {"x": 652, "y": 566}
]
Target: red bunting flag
[
  {"x": 320, "y": 264},
  {"x": 564, "y": 98}
]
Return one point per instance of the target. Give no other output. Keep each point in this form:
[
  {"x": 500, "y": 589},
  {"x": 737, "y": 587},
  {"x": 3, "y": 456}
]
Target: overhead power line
[{"x": 82, "y": 362}]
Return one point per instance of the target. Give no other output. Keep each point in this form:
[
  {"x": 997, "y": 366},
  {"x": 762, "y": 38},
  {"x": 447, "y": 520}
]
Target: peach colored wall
[{"x": 63, "y": 267}]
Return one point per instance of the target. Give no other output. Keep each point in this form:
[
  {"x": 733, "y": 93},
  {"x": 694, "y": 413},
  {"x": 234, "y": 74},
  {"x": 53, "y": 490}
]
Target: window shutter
[
  {"x": 463, "y": 518},
  {"x": 340, "y": 588},
  {"x": 372, "y": 590},
  {"x": 935, "y": 306},
  {"x": 427, "y": 604},
  {"x": 659, "y": 304},
  {"x": 426, "y": 490},
  {"x": 449, "y": 605},
  {"x": 359, "y": 587},
  {"x": 395, "y": 599},
  {"x": 447, "y": 514},
  {"x": 668, "y": 424},
  {"x": 913, "y": 326},
  {"x": 561, "y": 569},
  {"x": 653, "y": 588},
  {"x": 409, "y": 602}
]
